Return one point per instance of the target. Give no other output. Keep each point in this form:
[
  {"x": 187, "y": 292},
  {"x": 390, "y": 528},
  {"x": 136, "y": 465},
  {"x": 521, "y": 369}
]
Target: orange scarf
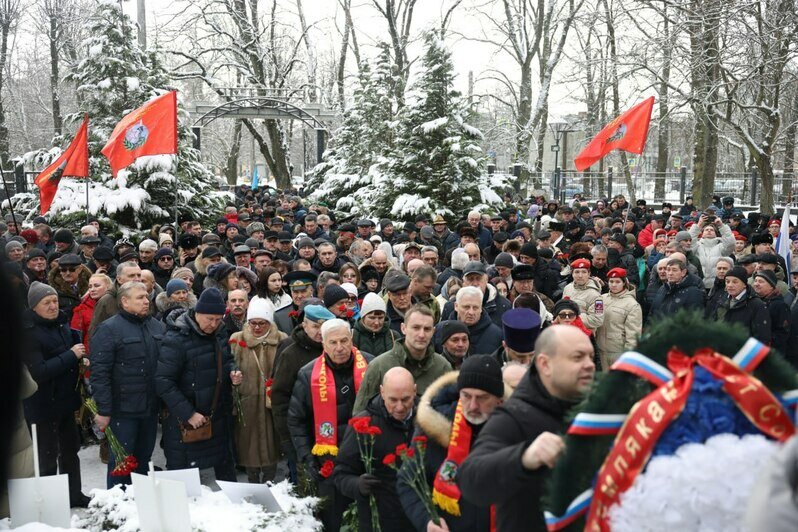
[{"x": 322, "y": 394}]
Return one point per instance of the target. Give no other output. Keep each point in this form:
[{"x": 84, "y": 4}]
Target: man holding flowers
[
  {"x": 451, "y": 414},
  {"x": 374, "y": 434}
]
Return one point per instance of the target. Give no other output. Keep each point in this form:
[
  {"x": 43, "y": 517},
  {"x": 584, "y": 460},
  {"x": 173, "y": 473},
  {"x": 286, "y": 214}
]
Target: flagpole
[
  {"x": 87, "y": 201},
  {"x": 8, "y": 196},
  {"x": 174, "y": 162}
]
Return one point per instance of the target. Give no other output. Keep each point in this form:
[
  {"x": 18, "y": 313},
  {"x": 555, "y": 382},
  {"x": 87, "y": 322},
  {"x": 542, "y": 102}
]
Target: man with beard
[
  {"x": 451, "y": 415},
  {"x": 503, "y": 468},
  {"x": 520, "y": 328}
]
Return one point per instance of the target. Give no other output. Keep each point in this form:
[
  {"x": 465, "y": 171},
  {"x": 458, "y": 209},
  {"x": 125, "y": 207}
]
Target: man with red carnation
[
  {"x": 388, "y": 418},
  {"x": 320, "y": 408},
  {"x": 451, "y": 415}
]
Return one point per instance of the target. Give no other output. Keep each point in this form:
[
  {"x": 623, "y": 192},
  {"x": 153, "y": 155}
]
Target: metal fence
[
  {"x": 672, "y": 186},
  {"x": 17, "y": 180}
]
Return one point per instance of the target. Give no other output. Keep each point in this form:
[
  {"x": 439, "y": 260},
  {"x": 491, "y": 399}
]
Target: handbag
[{"x": 189, "y": 434}]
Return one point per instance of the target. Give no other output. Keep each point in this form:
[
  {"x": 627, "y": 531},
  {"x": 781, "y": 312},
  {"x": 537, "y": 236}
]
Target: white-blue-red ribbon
[
  {"x": 577, "y": 507},
  {"x": 585, "y": 424},
  {"x": 642, "y": 366},
  {"x": 750, "y": 355}
]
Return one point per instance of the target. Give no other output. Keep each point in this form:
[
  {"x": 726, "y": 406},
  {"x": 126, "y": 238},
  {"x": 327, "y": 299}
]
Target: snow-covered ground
[{"x": 116, "y": 510}]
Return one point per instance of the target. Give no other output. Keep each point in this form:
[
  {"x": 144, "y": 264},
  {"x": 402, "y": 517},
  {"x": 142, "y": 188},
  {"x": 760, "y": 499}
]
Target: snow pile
[
  {"x": 115, "y": 509},
  {"x": 714, "y": 482},
  {"x": 5, "y": 524}
]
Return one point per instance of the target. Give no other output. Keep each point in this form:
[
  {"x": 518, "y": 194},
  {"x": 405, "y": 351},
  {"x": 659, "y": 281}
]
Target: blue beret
[
  {"x": 521, "y": 329},
  {"x": 317, "y": 313}
]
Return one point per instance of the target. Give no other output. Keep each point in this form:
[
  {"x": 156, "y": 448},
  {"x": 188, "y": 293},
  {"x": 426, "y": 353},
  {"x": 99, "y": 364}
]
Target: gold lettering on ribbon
[
  {"x": 620, "y": 465},
  {"x": 669, "y": 392},
  {"x": 323, "y": 383},
  {"x": 655, "y": 411},
  {"x": 642, "y": 429},
  {"x": 632, "y": 447},
  {"x": 750, "y": 387}
]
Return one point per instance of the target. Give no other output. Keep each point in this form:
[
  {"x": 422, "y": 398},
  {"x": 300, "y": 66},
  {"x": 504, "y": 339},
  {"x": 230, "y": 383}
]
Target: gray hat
[
  {"x": 70, "y": 259},
  {"x": 13, "y": 244},
  {"x": 397, "y": 283},
  {"x": 211, "y": 238},
  {"x": 305, "y": 242},
  {"x": 255, "y": 226},
  {"x": 39, "y": 291},
  {"x": 768, "y": 276},
  {"x": 474, "y": 266},
  {"x": 504, "y": 259},
  {"x": 240, "y": 250},
  {"x": 15, "y": 219},
  {"x": 681, "y": 236}
]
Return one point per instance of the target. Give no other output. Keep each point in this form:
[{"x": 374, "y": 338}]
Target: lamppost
[{"x": 559, "y": 128}]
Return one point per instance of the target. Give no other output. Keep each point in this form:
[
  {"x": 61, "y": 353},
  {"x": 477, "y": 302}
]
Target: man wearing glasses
[{"x": 70, "y": 280}]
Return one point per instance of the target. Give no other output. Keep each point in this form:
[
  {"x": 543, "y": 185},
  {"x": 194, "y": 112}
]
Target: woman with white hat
[
  {"x": 372, "y": 333},
  {"x": 254, "y": 349}
]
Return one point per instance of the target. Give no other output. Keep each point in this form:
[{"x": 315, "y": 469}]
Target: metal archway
[{"x": 263, "y": 107}]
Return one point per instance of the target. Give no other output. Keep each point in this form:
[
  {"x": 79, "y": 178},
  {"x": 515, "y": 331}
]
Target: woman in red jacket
[{"x": 99, "y": 284}]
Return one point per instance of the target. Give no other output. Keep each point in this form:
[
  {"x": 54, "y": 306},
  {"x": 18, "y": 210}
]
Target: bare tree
[
  {"x": 398, "y": 15},
  {"x": 10, "y": 11}
]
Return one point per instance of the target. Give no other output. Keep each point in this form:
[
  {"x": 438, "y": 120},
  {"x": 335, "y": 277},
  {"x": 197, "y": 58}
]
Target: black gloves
[{"x": 367, "y": 484}]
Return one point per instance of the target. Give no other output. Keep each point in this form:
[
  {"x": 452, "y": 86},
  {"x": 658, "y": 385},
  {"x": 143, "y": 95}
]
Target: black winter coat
[
  {"x": 546, "y": 279},
  {"x": 375, "y": 343},
  {"x": 52, "y": 364},
  {"x": 485, "y": 337},
  {"x": 124, "y": 358},
  {"x": 792, "y": 343},
  {"x": 493, "y": 303},
  {"x": 300, "y": 410},
  {"x": 434, "y": 420},
  {"x": 750, "y": 312},
  {"x": 688, "y": 294},
  {"x": 185, "y": 380},
  {"x": 779, "y": 321},
  {"x": 300, "y": 350},
  {"x": 349, "y": 467},
  {"x": 493, "y": 473}
]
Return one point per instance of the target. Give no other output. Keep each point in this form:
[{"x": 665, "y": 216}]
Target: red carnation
[
  {"x": 374, "y": 431},
  {"x": 342, "y": 307},
  {"x": 293, "y": 314},
  {"x": 242, "y": 343},
  {"x": 327, "y": 469},
  {"x": 350, "y": 314},
  {"x": 361, "y": 424},
  {"x": 231, "y": 342},
  {"x": 389, "y": 460},
  {"x": 421, "y": 441},
  {"x": 410, "y": 453},
  {"x": 401, "y": 449},
  {"x": 268, "y": 387}
]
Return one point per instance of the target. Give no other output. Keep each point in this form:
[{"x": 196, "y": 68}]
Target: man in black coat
[
  {"x": 792, "y": 343},
  {"x": 741, "y": 305},
  {"x": 53, "y": 355},
  {"x": 766, "y": 287},
  {"x": 506, "y": 470},
  {"x": 392, "y": 411},
  {"x": 682, "y": 291},
  {"x": 187, "y": 379},
  {"x": 493, "y": 303},
  {"x": 305, "y": 423},
  {"x": 124, "y": 357},
  {"x": 478, "y": 385},
  {"x": 545, "y": 279}
]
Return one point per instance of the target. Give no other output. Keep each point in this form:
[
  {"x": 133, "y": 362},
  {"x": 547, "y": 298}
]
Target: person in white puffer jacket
[{"x": 716, "y": 241}]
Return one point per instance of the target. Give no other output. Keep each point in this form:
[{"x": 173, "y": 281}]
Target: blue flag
[{"x": 255, "y": 179}]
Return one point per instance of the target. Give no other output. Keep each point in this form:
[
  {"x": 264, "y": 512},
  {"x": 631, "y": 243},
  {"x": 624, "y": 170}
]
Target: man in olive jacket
[
  {"x": 124, "y": 357},
  {"x": 504, "y": 468},
  {"x": 415, "y": 353}
]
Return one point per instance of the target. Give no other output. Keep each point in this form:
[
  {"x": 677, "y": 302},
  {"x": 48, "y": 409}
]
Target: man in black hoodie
[{"x": 503, "y": 468}]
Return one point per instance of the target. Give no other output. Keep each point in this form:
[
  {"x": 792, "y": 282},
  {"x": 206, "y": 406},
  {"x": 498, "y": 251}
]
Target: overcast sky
[{"x": 371, "y": 27}]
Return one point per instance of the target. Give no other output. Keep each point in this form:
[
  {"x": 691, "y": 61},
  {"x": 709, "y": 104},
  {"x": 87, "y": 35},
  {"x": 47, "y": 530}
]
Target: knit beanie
[
  {"x": 13, "y": 245},
  {"x": 333, "y": 294},
  {"x": 504, "y": 259},
  {"x": 681, "y": 236},
  {"x": 64, "y": 236},
  {"x": 738, "y": 272},
  {"x": 450, "y": 327},
  {"x": 260, "y": 309},
  {"x": 220, "y": 270},
  {"x": 530, "y": 250},
  {"x": 768, "y": 276},
  {"x": 372, "y": 303},
  {"x": 482, "y": 372},
  {"x": 174, "y": 285},
  {"x": 566, "y": 304},
  {"x": 210, "y": 302},
  {"x": 39, "y": 291}
]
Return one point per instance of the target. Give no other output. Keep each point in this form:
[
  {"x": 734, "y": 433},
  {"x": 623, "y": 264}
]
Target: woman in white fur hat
[{"x": 254, "y": 349}]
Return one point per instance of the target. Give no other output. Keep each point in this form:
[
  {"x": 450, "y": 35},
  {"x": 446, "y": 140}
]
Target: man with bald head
[
  {"x": 393, "y": 411},
  {"x": 506, "y": 470}
]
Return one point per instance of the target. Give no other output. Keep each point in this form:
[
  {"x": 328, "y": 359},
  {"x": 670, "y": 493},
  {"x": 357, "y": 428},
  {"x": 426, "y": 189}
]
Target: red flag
[
  {"x": 628, "y": 132},
  {"x": 74, "y": 162},
  {"x": 149, "y": 130}
]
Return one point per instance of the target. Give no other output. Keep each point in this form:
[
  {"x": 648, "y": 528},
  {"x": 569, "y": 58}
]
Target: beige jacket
[
  {"x": 623, "y": 323},
  {"x": 585, "y": 296}
]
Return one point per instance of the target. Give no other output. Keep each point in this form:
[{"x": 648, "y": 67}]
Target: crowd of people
[{"x": 256, "y": 340}]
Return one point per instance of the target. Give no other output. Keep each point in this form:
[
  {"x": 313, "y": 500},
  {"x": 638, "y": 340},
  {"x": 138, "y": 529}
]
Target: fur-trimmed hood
[
  {"x": 437, "y": 405},
  {"x": 163, "y": 303}
]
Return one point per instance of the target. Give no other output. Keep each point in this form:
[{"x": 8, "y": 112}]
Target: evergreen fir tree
[
  {"x": 345, "y": 179},
  {"x": 436, "y": 165},
  {"x": 113, "y": 77}
]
